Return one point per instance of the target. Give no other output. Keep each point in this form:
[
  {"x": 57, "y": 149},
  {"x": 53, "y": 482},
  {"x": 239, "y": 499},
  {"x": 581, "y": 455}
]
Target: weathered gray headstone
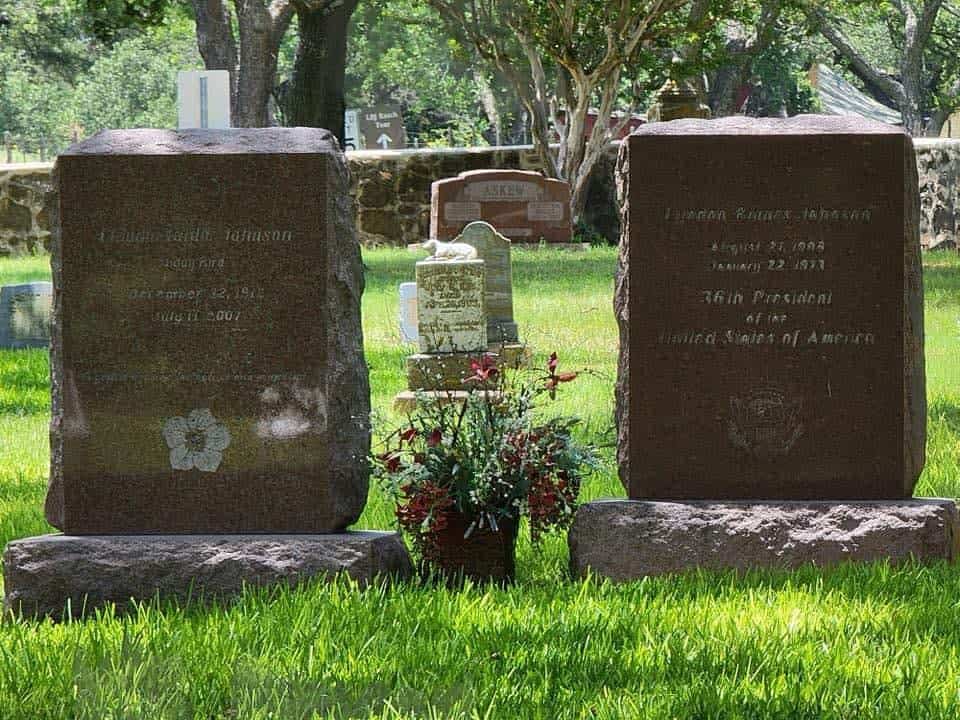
[
  {"x": 25, "y": 315},
  {"x": 494, "y": 249},
  {"x": 450, "y": 306}
]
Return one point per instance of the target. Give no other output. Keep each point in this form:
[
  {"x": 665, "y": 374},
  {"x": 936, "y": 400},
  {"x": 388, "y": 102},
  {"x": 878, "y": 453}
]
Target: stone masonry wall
[
  {"x": 25, "y": 193},
  {"x": 939, "y": 164},
  {"x": 392, "y": 193}
]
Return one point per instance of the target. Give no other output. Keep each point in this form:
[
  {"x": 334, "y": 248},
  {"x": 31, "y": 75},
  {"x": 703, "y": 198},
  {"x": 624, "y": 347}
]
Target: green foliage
[
  {"x": 134, "y": 85},
  {"x": 109, "y": 20},
  {"x": 57, "y": 79},
  {"x": 399, "y": 53},
  {"x": 781, "y": 70}
]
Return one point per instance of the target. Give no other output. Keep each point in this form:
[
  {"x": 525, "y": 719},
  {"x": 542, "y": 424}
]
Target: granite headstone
[
  {"x": 208, "y": 371},
  {"x": 523, "y": 205},
  {"x": 770, "y": 309}
]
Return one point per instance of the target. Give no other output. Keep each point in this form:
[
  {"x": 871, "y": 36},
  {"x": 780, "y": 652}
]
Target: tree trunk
[
  {"x": 315, "y": 97},
  {"x": 260, "y": 36},
  {"x": 216, "y": 42}
]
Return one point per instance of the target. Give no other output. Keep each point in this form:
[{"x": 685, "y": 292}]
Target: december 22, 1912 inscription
[
  {"x": 207, "y": 355},
  {"x": 770, "y": 311}
]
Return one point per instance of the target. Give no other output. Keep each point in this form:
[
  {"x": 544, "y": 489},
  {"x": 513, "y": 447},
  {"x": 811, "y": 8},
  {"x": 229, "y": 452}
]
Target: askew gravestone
[
  {"x": 760, "y": 357},
  {"x": 522, "y": 205},
  {"x": 201, "y": 384}
]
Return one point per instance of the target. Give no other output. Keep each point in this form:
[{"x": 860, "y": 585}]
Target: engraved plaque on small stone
[
  {"x": 770, "y": 311},
  {"x": 450, "y": 306},
  {"x": 461, "y": 211},
  {"x": 25, "y": 315},
  {"x": 521, "y": 204},
  {"x": 207, "y": 315}
]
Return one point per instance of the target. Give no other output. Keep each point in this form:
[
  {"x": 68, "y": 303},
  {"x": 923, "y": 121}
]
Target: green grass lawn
[{"x": 865, "y": 641}]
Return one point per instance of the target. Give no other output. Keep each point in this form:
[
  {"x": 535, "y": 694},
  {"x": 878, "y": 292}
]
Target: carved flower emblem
[{"x": 196, "y": 441}]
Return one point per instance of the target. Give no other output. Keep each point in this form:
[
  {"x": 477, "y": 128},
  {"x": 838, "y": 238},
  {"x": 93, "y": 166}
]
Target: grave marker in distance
[{"x": 25, "y": 315}]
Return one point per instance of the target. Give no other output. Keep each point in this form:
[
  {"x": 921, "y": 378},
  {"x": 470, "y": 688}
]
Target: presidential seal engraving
[{"x": 765, "y": 422}]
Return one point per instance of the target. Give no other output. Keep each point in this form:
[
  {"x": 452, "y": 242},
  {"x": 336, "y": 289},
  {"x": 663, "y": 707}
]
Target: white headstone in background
[
  {"x": 408, "y": 312},
  {"x": 25, "y": 315},
  {"x": 203, "y": 99}
]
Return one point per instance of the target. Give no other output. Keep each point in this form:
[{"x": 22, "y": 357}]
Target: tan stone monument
[{"x": 456, "y": 298}]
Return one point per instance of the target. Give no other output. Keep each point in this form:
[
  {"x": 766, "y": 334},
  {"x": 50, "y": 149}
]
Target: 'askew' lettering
[{"x": 246, "y": 235}]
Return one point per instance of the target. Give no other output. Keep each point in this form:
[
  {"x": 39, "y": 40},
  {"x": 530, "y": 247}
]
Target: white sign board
[
  {"x": 203, "y": 99},
  {"x": 351, "y": 130}
]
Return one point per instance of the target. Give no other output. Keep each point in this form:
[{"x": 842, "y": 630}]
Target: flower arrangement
[{"x": 489, "y": 459}]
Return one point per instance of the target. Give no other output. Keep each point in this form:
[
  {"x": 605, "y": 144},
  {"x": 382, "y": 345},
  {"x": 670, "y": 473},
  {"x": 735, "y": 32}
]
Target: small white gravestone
[
  {"x": 203, "y": 99},
  {"x": 25, "y": 315},
  {"x": 408, "y": 312},
  {"x": 450, "y": 303}
]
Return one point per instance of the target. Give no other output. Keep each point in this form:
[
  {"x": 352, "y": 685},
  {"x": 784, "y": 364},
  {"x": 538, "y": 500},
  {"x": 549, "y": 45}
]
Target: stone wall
[
  {"x": 392, "y": 191},
  {"x": 939, "y": 164},
  {"x": 25, "y": 192}
]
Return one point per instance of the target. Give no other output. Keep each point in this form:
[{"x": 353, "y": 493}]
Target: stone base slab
[
  {"x": 42, "y": 573},
  {"x": 448, "y": 371},
  {"x": 406, "y": 400},
  {"x": 628, "y": 539}
]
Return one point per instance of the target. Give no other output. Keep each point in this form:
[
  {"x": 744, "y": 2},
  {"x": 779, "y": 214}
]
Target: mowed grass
[{"x": 865, "y": 641}]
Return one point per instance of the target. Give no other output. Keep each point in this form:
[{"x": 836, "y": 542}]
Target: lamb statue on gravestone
[{"x": 448, "y": 250}]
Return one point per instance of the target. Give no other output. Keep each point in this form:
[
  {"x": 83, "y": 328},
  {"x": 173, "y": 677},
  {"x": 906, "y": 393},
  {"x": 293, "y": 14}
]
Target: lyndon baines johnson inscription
[
  {"x": 771, "y": 326},
  {"x": 207, "y": 314},
  {"x": 764, "y": 288}
]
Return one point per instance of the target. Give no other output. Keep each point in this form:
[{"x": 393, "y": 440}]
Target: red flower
[
  {"x": 483, "y": 369},
  {"x": 390, "y": 460},
  {"x": 407, "y": 435},
  {"x": 552, "y": 363},
  {"x": 434, "y": 438}
]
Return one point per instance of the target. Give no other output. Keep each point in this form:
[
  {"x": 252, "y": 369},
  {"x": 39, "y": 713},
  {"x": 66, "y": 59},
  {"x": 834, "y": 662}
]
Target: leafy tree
[
  {"x": 562, "y": 58},
  {"x": 134, "y": 84},
  {"x": 400, "y": 53},
  {"x": 245, "y": 36},
  {"x": 921, "y": 76}
]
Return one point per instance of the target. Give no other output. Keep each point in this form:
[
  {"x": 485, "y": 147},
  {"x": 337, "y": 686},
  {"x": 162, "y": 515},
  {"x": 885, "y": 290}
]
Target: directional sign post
[{"x": 382, "y": 127}]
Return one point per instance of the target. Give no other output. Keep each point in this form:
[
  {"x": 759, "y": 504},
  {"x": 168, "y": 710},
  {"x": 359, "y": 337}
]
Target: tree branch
[{"x": 839, "y": 41}]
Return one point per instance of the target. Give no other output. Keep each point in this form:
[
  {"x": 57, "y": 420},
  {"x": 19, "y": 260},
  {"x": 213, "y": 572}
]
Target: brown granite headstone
[
  {"x": 207, "y": 362},
  {"x": 522, "y": 205},
  {"x": 770, "y": 307}
]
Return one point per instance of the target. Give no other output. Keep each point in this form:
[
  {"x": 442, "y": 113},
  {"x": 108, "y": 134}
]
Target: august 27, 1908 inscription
[
  {"x": 771, "y": 320},
  {"x": 205, "y": 318}
]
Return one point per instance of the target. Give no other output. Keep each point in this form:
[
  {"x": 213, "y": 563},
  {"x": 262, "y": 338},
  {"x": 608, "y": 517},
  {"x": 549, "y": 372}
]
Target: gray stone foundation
[
  {"x": 628, "y": 539},
  {"x": 42, "y": 573}
]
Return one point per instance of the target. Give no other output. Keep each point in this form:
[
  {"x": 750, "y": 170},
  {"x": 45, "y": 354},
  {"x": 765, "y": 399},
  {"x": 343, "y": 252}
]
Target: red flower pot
[{"x": 485, "y": 555}]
